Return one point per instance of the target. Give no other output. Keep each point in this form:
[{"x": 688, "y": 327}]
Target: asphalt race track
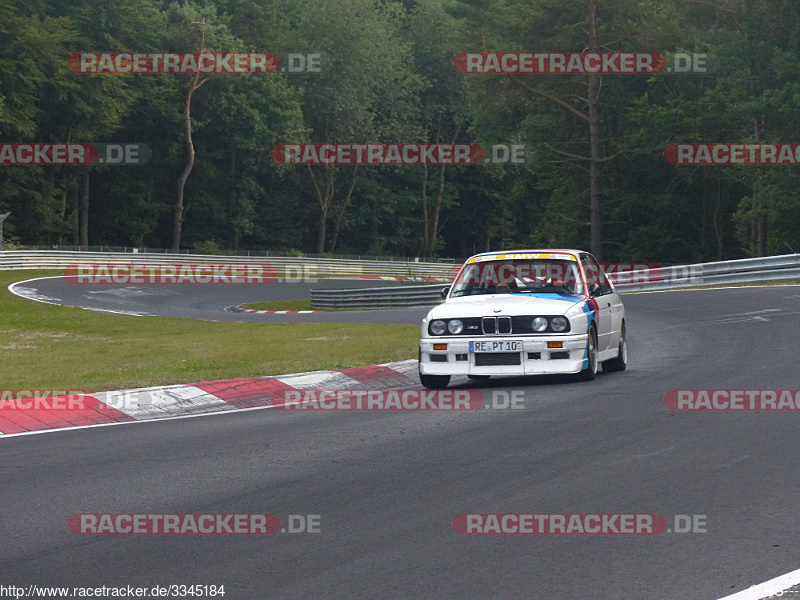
[
  {"x": 210, "y": 301},
  {"x": 387, "y": 485}
]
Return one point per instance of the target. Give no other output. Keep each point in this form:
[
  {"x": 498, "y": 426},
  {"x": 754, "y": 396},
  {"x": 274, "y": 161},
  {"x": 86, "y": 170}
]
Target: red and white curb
[
  {"x": 145, "y": 404},
  {"x": 239, "y": 309}
]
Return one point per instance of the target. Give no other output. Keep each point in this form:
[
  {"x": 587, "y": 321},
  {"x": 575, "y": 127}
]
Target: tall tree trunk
[
  {"x": 595, "y": 156},
  {"x": 84, "y": 212},
  {"x": 322, "y": 223},
  {"x": 151, "y": 186},
  {"x": 592, "y": 119},
  {"x": 437, "y": 210},
  {"x": 62, "y": 215},
  {"x": 75, "y": 212},
  {"x": 324, "y": 196},
  {"x": 340, "y": 211},
  {"x": 180, "y": 210},
  {"x": 432, "y": 213},
  {"x": 426, "y": 226},
  {"x": 236, "y": 192},
  {"x": 758, "y": 222},
  {"x": 759, "y": 210}
]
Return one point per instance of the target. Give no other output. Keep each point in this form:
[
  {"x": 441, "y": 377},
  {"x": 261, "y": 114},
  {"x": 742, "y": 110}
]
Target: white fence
[{"x": 301, "y": 266}]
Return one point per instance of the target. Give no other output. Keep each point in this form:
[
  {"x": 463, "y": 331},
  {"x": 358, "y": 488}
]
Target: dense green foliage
[{"x": 387, "y": 76}]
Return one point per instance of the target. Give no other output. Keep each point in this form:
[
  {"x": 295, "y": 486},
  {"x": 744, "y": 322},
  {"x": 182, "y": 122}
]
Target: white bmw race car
[{"x": 524, "y": 312}]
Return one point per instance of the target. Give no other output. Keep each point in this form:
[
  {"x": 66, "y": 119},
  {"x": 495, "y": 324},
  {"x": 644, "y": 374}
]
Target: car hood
[{"x": 506, "y": 305}]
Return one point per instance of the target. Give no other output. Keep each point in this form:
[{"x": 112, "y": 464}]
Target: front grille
[
  {"x": 495, "y": 359},
  {"x": 503, "y": 324},
  {"x": 557, "y": 355},
  {"x": 438, "y": 357},
  {"x": 496, "y": 325},
  {"x": 489, "y": 325}
]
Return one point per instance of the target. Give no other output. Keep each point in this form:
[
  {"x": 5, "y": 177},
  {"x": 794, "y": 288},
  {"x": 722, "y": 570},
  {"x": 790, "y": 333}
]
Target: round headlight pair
[
  {"x": 454, "y": 326},
  {"x": 438, "y": 327},
  {"x": 539, "y": 324},
  {"x": 557, "y": 324}
]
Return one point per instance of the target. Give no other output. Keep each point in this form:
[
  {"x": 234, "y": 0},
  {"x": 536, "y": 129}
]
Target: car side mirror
[
  {"x": 594, "y": 290},
  {"x": 445, "y": 291}
]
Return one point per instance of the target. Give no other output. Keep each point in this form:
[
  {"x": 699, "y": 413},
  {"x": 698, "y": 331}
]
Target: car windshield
[{"x": 519, "y": 277}]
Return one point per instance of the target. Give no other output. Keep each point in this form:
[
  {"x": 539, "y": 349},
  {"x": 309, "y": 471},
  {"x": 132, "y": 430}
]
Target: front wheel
[
  {"x": 621, "y": 361},
  {"x": 590, "y": 372},
  {"x": 434, "y": 382}
]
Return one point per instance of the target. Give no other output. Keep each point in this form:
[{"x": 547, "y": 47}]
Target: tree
[
  {"x": 365, "y": 92},
  {"x": 565, "y": 26}
]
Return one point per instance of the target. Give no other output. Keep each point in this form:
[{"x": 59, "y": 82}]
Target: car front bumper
[{"x": 535, "y": 359}]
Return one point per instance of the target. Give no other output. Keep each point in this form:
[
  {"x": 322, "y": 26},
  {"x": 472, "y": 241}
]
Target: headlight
[
  {"x": 558, "y": 324},
  {"x": 539, "y": 324},
  {"x": 455, "y": 326},
  {"x": 438, "y": 327}
]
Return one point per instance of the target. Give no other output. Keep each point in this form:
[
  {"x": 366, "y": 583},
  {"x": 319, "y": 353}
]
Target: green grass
[
  {"x": 43, "y": 346},
  {"x": 279, "y": 305},
  {"x": 296, "y": 305}
]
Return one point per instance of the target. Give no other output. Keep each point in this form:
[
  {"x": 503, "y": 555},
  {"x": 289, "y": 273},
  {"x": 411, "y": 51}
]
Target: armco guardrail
[
  {"x": 290, "y": 267},
  {"x": 773, "y": 268},
  {"x": 729, "y": 272},
  {"x": 386, "y": 297}
]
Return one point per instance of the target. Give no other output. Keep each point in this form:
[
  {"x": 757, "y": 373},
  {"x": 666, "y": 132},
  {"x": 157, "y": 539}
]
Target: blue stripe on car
[
  {"x": 570, "y": 298},
  {"x": 590, "y": 315}
]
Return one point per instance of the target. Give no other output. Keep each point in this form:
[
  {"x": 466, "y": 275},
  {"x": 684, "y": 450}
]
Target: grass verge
[
  {"x": 279, "y": 305},
  {"x": 43, "y": 346}
]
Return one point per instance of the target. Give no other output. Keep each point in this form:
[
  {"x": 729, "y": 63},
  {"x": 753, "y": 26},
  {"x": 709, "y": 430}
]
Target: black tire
[
  {"x": 478, "y": 377},
  {"x": 590, "y": 372},
  {"x": 621, "y": 361},
  {"x": 434, "y": 382}
]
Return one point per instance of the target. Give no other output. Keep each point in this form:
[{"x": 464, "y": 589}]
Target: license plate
[{"x": 497, "y": 346}]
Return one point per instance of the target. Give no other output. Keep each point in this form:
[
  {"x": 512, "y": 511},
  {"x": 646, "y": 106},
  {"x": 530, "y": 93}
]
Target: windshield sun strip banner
[{"x": 523, "y": 256}]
